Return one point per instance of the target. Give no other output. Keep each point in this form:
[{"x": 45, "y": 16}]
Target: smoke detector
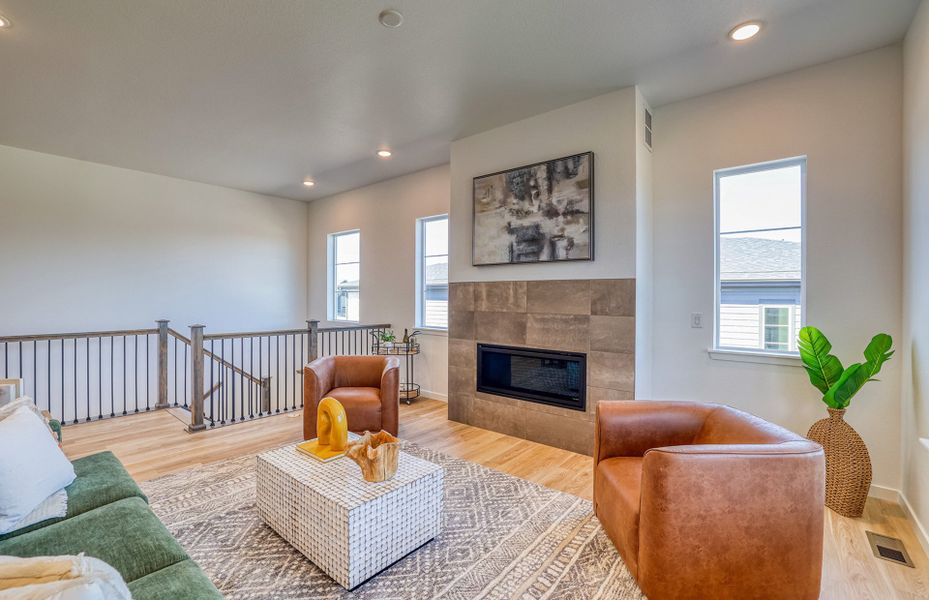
[{"x": 390, "y": 18}]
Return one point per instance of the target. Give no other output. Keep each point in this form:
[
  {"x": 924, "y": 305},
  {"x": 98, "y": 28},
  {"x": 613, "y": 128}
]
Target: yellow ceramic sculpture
[{"x": 331, "y": 429}]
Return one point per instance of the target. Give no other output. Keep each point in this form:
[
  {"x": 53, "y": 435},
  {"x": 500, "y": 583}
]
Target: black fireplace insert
[{"x": 544, "y": 376}]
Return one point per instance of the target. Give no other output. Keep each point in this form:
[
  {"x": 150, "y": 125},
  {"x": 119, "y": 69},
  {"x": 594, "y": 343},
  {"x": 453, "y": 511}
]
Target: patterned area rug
[{"x": 502, "y": 537}]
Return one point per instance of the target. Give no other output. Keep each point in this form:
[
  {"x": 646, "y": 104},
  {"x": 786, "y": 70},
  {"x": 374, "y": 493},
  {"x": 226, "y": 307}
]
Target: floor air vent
[{"x": 889, "y": 548}]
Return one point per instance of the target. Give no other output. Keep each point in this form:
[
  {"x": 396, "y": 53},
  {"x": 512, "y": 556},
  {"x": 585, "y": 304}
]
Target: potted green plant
[
  {"x": 848, "y": 464},
  {"x": 385, "y": 337}
]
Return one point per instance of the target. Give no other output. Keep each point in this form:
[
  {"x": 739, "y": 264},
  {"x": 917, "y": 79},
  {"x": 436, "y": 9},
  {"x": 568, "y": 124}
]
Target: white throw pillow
[
  {"x": 32, "y": 466},
  {"x": 60, "y": 578},
  {"x": 8, "y": 409}
]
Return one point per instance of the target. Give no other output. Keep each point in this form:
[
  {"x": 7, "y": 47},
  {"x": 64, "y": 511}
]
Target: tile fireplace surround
[{"x": 594, "y": 316}]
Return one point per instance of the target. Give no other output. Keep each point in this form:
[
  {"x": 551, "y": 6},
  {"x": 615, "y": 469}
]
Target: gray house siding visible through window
[{"x": 760, "y": 294}]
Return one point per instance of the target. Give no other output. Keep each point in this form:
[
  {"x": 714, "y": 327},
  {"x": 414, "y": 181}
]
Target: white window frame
[
  {"x": 331, "y": 258},
  {"x": 791, "y": 324},
  {"x": 420, "y": 316},
  {"x": 757, "y": 354}
]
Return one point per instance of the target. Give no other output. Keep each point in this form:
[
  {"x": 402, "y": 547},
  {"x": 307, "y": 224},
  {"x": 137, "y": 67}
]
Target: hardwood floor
[{"x": 155, "y": 444}]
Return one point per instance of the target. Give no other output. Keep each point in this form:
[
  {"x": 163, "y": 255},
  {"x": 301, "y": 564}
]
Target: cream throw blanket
[{"x": 60, "y": 578}]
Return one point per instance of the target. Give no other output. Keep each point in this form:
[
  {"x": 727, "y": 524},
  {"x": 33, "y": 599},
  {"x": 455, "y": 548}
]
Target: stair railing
[{"x": 88, "y": 376}]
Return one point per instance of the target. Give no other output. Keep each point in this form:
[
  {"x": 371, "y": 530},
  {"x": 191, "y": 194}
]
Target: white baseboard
[
  {"x": 921, "y": 534},
  {"x": 434, "y": 395},
  {"x": 885, "y": 493},
  {"x": 891, "y": 495}
]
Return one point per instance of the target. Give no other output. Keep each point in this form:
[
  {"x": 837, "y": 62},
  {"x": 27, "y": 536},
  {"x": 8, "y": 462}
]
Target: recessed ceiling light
[
  {"x": 384, "y": 153},
  {"x": 4, "y": 22},
  {"x": 390, "y": 18},
  {"x": 745, "y": 31},
  {"x": 308, "y": 182}
]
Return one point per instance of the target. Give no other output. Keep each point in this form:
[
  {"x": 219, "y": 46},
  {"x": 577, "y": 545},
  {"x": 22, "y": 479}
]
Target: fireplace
[{"x": 544, "y": 376}]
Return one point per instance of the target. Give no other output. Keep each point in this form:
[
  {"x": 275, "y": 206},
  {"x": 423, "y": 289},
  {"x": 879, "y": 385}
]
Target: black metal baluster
[
  {"x": 73, "y": 383},
  {"x": 48, "y": 375},
  {"x": 148, "y": 365},
  {"x": 112, "y": 377},
  {"x": 100, "y": 376},
  {"x": 286, "y": 374},
  {"x": 63, "y": 380},
  {"x": 293, "y": 361},
  {"x": 6, "y": 360},
  {"x": 242, "y": 379},
  {"x": 277, "y": 374},
  {"x": 222, "y": 381},
  {"x": 251, "y": 371},
  {"x": 87, "y": 365},
  {"x": 175, "y": 371},
  {"x": 135, "y": 372},
  {"x": 125, "y": 402},
  {"x": 232, "y": 375},
  {"x": 212, "y": 386},
  {"x": 20, "y": 359},
  {"x": 35, "y": 370},
  {"x": 186, "y": 390},
  {"x": 300, "y": 395}
]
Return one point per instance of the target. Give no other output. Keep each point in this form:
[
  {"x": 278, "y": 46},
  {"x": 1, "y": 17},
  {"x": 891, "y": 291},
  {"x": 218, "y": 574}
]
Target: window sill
[
  {"x": 753, "y": 356},
  {"x": 433, "y": 331}
]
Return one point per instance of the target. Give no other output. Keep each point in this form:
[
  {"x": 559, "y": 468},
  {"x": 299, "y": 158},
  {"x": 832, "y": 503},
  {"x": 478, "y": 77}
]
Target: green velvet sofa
[{"x": 109, "y": 518}]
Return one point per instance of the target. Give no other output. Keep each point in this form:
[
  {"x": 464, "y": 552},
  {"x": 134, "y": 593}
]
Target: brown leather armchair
[
  {"x": 367, "y": 386},
  {"x": 705, "y": 501}
]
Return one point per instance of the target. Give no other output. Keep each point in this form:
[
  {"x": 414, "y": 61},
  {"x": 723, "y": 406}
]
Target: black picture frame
[{"x": 589, "y": 156}]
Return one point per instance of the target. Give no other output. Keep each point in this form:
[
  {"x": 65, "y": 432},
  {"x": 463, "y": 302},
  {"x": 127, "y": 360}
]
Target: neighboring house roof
[
  {"x": 437, "y": 272},
  {"x": 758, "y": 259}
]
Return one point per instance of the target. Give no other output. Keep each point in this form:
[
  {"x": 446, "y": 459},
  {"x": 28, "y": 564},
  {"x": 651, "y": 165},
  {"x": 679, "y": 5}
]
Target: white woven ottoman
[{"x": 349, "y": 528}]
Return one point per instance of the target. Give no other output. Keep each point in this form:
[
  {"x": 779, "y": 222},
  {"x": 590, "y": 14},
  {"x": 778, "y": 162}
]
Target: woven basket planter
[{"x": 848, "y": 464}]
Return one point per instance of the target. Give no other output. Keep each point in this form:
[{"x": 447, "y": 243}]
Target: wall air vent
[
  {"x": 648, "y": 128},
  {"x": 888, "y": 548}
]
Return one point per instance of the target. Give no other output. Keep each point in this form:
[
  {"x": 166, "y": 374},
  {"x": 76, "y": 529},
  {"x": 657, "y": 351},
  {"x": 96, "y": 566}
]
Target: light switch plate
[{"x": 696, "y": 320}]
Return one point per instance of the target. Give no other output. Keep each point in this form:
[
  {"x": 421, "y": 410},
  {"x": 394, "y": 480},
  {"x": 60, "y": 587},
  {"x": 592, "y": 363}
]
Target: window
[
  {"x": 759, "y": 250},
  {"x": 777, "y": 328},
  {"x": 344, "y": 276},
  {"x": 432, "y": 272}
]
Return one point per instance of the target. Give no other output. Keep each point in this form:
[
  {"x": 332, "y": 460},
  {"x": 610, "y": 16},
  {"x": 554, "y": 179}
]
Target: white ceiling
[{"x": 258, "y": 94}]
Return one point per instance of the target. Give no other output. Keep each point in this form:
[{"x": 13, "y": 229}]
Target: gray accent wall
[{"x": 594, "y": 316}]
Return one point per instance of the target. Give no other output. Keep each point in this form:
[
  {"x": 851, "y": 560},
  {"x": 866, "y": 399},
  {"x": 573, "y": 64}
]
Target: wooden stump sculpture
[{"x": 377, "y": 455}]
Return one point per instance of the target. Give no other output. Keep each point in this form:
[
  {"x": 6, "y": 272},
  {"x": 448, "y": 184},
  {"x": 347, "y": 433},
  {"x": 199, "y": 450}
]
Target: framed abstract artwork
[{"x": 537, "y": 213}]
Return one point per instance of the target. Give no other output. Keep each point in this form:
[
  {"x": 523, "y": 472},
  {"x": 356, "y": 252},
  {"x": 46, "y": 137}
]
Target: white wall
[
  {"x": 845, "y": 116},
  {"x": 914, "y": 351},
  {"x": 604, "y": 125},
  {"x": 386, "y": 214},
  {"x": 85, "y": 246},
  {"x": 644, "y": 255}
]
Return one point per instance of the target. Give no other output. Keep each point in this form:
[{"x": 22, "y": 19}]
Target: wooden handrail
[
  {"x": 354, "y": 327},
  {"x": 77, "y": 335},
  {"x": 278, "y": 332},
  {"x": 221, "y": 361}
]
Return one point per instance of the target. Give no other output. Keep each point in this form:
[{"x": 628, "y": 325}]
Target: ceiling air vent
[
  {"x": 889, "y": 548},
  {"x": 648, "y": 128}
]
